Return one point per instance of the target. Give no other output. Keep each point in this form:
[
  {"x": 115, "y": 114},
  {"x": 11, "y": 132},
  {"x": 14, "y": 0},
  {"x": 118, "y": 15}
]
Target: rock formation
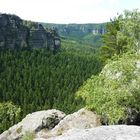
[
  {"x": 33, "y": 123},
  {"x": 81, "y": 125},
  {"x": 97, "y": 31},
  {"x": 81, "y": 119},
  {"x": 12, "y": 33},
  {"x": 17, "y": 33},
  {"x": 45, "y": 124}
]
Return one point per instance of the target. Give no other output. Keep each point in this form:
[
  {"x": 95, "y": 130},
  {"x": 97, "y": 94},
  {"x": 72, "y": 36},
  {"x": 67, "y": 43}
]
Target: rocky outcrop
[
  {"x": 12, "y": 33},
  {"x": 99, "y": 31},
  {"x": 81, "y": 119},
  {"x": 41, "y": 38},
  {"x": 38, "y": 37},
  {"x": 81, "y": 125},
  {"x": 51, "y": 123},
  {"x": 17, "y": 33},
  {"x": 33, "y": 123}
]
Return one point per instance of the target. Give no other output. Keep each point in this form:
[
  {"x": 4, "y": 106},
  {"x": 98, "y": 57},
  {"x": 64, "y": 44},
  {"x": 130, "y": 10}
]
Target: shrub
[
  {"x": 114, "y": 94},
  {"x": 9, "y": 115}
]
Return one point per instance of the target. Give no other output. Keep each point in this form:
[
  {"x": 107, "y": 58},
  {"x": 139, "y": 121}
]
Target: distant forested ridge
[{"x": 83, "y": 33}]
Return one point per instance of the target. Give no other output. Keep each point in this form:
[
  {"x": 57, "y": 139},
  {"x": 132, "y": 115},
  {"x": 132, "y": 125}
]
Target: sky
[{"x": 67, "y": 11}]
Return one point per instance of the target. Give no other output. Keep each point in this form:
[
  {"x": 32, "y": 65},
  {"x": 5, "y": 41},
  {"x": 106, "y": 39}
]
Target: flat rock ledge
[{"x": 114, "y": 132}]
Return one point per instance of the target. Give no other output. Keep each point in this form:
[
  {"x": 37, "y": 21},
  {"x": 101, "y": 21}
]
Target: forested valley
[{"x": 38, "y": 79}]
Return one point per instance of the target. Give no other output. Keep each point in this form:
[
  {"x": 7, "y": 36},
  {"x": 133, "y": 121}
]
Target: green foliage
[
  {"x": 122, "y": 34},
  {"x": 9, "y": 115},
  {"x": 115, "y": 90},
  {"x": 38, "y": 79},
  {"x": 130, "y": 30}
]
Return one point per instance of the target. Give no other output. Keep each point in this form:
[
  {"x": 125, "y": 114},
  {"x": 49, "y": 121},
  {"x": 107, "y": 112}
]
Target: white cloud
[
  {"x": 65, "y": 11},
  {"x": 113, "y": 2}
]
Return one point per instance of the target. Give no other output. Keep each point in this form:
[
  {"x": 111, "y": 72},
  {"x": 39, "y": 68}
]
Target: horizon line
[{"x": 43, "y": 22}]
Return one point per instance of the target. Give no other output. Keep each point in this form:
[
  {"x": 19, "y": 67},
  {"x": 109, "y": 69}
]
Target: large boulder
[
  {"x": 81, "y": 119},
  {"x": 116, "y": 132},
  {"x": 33, "y": 123}
]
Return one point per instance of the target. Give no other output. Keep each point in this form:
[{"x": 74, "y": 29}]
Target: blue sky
[{"x": 67, "y": 11}]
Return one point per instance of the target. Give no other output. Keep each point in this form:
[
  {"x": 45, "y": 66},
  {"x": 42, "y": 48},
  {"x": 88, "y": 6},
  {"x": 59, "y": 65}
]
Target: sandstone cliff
[{"x": 17, "y": 33}]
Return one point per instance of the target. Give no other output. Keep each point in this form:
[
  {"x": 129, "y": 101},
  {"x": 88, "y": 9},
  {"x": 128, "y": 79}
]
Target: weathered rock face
[
  {"x": 38, "y": 37},
  {"x": 33, "y": 123},
  {"x": 16, "y": 33},
  {"x": 51, "y": 123},
  {"x": 12, "y": 33},
  {"x": 81, "y": 119},
  {"x": 81, "y": 125}
]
